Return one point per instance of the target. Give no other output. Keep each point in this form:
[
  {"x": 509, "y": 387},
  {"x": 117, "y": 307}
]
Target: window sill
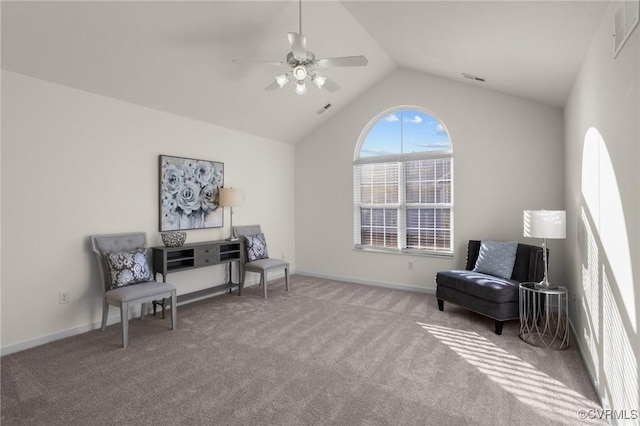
[{"x": 406, "y": 252}]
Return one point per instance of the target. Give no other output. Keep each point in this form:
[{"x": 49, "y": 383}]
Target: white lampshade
[
  {"x": 230, "y": 197},
  {"x": 545, "y": 224}
]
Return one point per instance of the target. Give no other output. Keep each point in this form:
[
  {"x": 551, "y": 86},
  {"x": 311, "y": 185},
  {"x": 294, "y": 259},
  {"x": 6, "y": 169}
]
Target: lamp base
[
  {"x": 231, "y": 239},
  {"x": 545, "y": 285}
]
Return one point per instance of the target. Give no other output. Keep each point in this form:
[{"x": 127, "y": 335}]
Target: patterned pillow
[
  {"x": 496, "y": 258},
  {"x": 128, "y": 267},
  {"x": 256, "y": 247}
]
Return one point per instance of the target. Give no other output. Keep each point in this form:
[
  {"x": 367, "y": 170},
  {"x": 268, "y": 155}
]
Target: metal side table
[{"x": 544, "y": 316}]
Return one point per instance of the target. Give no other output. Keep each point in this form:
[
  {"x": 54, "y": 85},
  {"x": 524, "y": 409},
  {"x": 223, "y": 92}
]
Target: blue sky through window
[{"x": 405, "y": 131}]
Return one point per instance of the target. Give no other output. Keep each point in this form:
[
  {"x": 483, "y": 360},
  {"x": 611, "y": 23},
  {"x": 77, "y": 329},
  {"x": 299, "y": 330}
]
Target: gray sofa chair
[
  {"x": 494, "y": 297},
  {"x": 122, "y": 297},
  {"x": 261, "y": 265}
]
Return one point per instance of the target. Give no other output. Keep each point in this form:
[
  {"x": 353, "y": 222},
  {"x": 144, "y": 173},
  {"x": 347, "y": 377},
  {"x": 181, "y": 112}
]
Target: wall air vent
[
  {"x": 324, "y": 108},
  {"x": 473, "y": 77},
  {"x": 624, "y": 22}
]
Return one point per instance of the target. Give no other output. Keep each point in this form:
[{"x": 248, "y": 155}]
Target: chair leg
[
  {"x": 174, "y": 316},
  {"x": 105, "y": 313},
  {"x": 124, "y": 318},
  {"x": 498, "y": 327},
  {"x": 440, "y": 305},
  {"x": 286, "y": 279},
  {"x": 263, "y": 279},
  {"x": 142, "y": 310}
]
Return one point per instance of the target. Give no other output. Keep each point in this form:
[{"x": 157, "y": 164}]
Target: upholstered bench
[{"x": 490, "y": 295}]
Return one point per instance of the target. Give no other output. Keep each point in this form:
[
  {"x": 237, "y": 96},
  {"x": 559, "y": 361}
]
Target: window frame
[{"x": 402, "y": 205}]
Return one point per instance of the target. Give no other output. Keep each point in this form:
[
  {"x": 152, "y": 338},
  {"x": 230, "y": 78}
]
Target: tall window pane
[{"x": 403, "y": 184}]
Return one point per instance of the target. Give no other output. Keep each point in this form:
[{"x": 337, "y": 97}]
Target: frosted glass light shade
[
  {"x": 545, "y": 224},
  {"x": 282, "y": 80},
  {"x": 230, "y": 197},
  {"x": 301, "y": 88},
  {"x": 319, "y": 80}
]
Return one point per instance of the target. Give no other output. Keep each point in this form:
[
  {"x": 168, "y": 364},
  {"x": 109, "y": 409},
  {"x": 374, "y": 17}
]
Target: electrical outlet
[
  {"x": 410, "y": 265},
  {"x": 64, "y": 297}
]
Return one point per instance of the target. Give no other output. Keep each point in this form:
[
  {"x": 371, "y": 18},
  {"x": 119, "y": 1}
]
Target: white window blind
[{"x": 404, "y": 202}]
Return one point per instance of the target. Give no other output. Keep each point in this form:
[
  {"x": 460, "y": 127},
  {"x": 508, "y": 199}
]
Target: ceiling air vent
[
  {"x": 324, "y": 108},
  {"x": 473, "y": 77}
]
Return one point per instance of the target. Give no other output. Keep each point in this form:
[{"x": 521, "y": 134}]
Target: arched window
[{"x": 403, "y": 184}]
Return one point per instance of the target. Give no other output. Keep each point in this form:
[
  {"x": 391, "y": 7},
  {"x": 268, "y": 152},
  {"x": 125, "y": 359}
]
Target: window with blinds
[{"x": 403, "y": 185}]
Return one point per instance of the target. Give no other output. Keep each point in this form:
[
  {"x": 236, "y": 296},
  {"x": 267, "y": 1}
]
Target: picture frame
[{"x": 189, "y": 193}]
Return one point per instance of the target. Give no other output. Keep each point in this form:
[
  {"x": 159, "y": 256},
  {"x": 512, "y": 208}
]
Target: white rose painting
[{"x": 189, "y": 191}]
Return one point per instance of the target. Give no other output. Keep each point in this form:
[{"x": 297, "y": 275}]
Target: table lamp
[
  {"x": 545, "y": 224},
  {"x": 230, "y": 197}
]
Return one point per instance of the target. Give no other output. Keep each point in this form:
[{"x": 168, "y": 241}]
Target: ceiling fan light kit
[
  {"x": 282, "y": 80},
  {"x": 303, "y": 63},
  {"x": 300, "y": 72},
  {"x": 301, "y": 88},
  {"x": 319, "y": 80}
]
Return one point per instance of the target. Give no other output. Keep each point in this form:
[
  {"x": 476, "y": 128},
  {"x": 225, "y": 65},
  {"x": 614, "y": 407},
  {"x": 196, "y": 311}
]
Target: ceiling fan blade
[
  {"x": 344, "y": 61},
  {"x": 257, "y": 62},
  {"x": 330, "y": 85},
  {"x": 298, "y": 44}
]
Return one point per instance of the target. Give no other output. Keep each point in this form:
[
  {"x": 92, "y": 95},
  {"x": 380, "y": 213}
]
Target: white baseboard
[
  {"x": 369, "y": 282},
  {"x": 592, "y": 377},
  {"x": 134, "y": 312},
  {"x": 32, "y": 343}
]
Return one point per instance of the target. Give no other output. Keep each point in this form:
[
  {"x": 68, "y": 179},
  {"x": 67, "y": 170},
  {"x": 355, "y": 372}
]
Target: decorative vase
[{"x": 174, "y": 238}]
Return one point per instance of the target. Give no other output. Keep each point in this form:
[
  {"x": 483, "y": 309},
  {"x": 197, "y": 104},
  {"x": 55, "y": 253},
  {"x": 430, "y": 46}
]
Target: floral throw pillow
[
  {"x": 256, "y": 247},
  {"x": 128, "y": 267}
]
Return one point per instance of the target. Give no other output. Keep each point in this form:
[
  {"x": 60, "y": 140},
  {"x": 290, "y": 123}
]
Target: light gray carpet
[{"x": 324, "y": 353}]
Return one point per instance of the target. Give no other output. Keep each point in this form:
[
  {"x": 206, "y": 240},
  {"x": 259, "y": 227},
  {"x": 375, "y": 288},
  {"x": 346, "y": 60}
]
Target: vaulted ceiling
[{"x": 175, "y": 56}]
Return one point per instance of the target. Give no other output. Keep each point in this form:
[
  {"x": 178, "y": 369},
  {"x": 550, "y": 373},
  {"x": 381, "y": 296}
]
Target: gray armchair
[
  {"x": 255, "y": 257},
  {"x": 127, "y": 280}
]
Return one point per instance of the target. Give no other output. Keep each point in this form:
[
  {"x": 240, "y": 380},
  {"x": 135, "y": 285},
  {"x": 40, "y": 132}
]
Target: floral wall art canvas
[{"x": 189, "y": 191}]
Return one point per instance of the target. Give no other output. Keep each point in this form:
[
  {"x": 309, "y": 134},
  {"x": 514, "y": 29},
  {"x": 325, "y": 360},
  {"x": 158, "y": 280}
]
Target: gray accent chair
[
  {"x": 494, "y": 297},
  {"x": 260, "y": 266},
  {"x": 132, "y": 294}
]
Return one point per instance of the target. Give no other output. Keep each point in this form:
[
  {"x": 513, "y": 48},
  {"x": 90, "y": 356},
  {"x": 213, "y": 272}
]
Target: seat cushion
[
  {"x": 265, "y": 264},
  {"x": 480, "y": 285},
  {"x": 138, "y": 291}
]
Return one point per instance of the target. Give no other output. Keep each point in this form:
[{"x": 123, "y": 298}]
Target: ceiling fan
[{"x": 304, "y": 65}]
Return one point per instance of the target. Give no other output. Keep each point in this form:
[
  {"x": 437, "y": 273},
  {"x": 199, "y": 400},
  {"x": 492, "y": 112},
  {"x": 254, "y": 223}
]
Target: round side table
[{"x": 544, "y": 315}]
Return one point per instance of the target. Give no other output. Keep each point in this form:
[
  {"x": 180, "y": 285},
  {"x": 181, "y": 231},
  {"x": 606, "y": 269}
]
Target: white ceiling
[{"x": 175, "y": 56}]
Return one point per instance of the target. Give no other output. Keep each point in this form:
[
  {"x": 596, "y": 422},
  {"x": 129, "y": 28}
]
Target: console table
[{"x": 168, "y": 260}]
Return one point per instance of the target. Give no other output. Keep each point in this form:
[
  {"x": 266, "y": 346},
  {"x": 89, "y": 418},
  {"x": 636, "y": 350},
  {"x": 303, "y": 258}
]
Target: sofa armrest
[{"x": 473, "y": 250}]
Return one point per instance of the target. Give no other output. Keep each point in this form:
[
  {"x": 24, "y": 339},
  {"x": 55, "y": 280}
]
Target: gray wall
[
  {"x": 508, "y": 157},
  {"x": 602, "y": 122},
  {"x": 76, "y": 164}
]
